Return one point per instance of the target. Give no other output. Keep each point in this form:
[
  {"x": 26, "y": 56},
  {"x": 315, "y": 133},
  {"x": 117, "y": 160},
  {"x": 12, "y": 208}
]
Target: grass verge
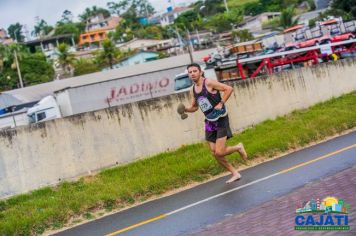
[{"x": 51, "y": 208}]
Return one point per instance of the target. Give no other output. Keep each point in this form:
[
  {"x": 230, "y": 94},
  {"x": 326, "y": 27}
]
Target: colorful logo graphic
[{"x": 328, "y": 214}]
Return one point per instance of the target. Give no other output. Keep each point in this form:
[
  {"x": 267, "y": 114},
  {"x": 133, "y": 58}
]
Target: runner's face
[{"x": 194, "y": 73}]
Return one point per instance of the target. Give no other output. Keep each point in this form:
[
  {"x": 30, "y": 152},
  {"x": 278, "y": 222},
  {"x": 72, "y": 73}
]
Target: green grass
[
  {"x": 51, "y": 208},
  {"x": 238, "y": 3}
]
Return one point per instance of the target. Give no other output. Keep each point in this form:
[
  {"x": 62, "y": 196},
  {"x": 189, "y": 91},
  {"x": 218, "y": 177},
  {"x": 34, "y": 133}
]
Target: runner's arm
[
  {"x": 224, "y": 88},
  {"x": 194, "y": 106}
]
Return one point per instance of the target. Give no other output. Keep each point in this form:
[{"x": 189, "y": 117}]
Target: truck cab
[
  {"x": 182, "y": 82},
  {"x": 46, "y": 109}
]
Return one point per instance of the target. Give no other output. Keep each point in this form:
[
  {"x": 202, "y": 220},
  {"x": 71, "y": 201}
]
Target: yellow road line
[
  {"x": 137, "y": 225},
  {"x": 317, "y": 159},
  {"x": 231, "y": 190}
]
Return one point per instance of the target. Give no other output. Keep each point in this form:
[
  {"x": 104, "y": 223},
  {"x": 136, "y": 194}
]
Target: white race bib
[{"x": 204, "y": 104}]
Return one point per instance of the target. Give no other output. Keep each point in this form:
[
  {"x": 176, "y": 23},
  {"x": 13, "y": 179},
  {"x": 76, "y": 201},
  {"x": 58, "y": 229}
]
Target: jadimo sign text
[{"x": 138, "y": 89}]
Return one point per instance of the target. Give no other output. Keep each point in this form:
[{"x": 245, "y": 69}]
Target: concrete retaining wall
[{"x": 46, "y": 153}]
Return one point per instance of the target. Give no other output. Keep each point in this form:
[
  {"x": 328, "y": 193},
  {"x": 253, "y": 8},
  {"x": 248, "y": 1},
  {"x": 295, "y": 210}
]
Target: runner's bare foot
[
  {"x": 241, "y": 150},
  {"x": 234, "y": 178}
]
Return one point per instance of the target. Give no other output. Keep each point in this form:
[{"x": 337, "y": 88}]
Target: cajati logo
[{"x": 327, "y": 214}]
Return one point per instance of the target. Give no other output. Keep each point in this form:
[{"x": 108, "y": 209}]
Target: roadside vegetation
[
  {"x": 53, "y": 207},
  {"x": 34, "y": 67}
]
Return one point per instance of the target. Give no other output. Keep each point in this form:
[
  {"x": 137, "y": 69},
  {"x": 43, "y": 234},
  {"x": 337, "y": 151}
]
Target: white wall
[{"x": 40, "y": 155}]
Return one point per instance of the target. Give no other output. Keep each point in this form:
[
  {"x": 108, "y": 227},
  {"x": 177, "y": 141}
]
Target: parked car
[
  {"x": 315, "y": 41},
  {"x": 289, "y": 47},
  {"x": 342, "y": 37}
]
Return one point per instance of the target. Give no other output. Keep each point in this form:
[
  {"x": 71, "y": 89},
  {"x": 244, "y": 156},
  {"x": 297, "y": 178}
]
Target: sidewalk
[{"x": 277, "y": 217}]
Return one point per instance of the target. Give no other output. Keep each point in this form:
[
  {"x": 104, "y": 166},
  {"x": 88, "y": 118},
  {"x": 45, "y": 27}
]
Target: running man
[{"x": 206, "y": 95}]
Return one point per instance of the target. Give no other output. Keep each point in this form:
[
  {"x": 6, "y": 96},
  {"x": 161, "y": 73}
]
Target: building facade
[{"x": 97, "y": 29}]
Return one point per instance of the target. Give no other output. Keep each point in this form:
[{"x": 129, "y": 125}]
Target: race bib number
[{"x": 204, "y": 104}]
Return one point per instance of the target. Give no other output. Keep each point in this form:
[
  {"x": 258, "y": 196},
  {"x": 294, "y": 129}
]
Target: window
[
  {"x": 41, "y": 116},
  {"x": 32, "y": 118},
  {"x": 171, "y": 19},
  {"x": 182, "y": 82}
]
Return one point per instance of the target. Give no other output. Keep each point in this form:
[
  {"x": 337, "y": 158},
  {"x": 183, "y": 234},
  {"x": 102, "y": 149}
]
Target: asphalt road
[
  {"x": 194, "y": 209},
  {"x": 321, "y": 4}
]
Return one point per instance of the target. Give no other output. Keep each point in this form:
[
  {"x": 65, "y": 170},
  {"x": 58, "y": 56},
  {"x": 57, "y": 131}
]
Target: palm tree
[
  {"x": 109, "y": 55},
  {"x": 118, "y": 8},
  {"x": 243, "y": 35},
  {"x": 42, "y": 29},
  {"x": 286, "y": 19},
  {"x": 65, "y": 58},
  {"x": 110, "y": 52}
]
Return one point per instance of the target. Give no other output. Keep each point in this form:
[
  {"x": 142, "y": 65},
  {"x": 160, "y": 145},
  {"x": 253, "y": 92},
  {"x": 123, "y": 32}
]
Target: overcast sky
[{"x": 25, "y": 11}]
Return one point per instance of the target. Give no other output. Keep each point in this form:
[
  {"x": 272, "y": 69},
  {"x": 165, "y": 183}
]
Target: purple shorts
[{"x": 217, "y": 129}]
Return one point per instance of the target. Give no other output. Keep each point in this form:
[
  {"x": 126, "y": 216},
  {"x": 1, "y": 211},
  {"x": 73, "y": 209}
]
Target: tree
[
  {"x": 286, "y": 18},
  {"x": 65, "y": 58},
  {"x": 253, "y": 8},
  {"x": 34, "y": 67},
  {"x": 271, "y": 5},
  {"x": 5, "y": 56},
  {"x": 7, "y": 75},
  {"x": 124, "y": 31},
  {"x": 188, "y": 19},
  {"x": 129, "y": 27},
  {"x": 209, "y": 7},
  {"x": 41, "y": 28},
  {"x": 150, "y": 32},
  {"x": 15, "y": 32},
  {"x": 339, "y": 8},
  {"x": 141, "y": 8},
  {"x": 289, "y": 3},
  {"x": 84, "y": 66},
  {"x": 225, "y": 21},
  {"x": 348, "y": 7},
  {"x": 94, "y": 11},
  {"x": 243, "y": 35},
  {"x": 109, "y": 55},
  {"x": 119, "y": 7},
  {"x": 70, "y": 28},
  {"x": 67, "y": 17},
  {"x": 345, "y": 5}
]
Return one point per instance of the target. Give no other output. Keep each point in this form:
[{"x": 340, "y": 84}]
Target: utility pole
[
  {"x": 190, "y": 48},
  {"x": 180, "y": 41},
  {"x": 15, "y": 33},
  {"x": 18, "y": 68},
  {"x": 198, "y": 37},
  {"x": 13, "y": 116},
  {"x": 146, "y": 11},
  {"x": 227, "y": 8}
]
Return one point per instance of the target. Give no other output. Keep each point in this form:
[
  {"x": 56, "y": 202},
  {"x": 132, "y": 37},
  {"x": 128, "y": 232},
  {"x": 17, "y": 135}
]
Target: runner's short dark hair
[{"x": 194, "y": 65}]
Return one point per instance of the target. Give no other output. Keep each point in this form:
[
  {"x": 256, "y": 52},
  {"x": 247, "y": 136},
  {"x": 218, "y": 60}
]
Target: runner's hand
[{"x": 218, "y": 106}]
